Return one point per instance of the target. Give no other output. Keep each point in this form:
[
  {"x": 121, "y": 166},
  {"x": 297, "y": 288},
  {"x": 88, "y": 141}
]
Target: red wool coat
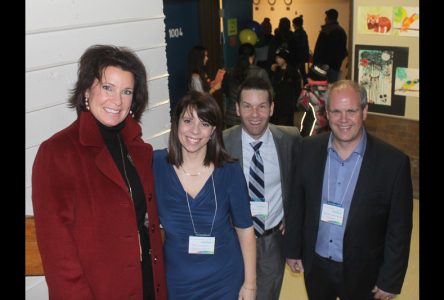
[{"x": 85, "y": 219}]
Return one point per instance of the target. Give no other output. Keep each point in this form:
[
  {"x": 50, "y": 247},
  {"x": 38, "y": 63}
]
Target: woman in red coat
[{"x": 92, "y": 188}]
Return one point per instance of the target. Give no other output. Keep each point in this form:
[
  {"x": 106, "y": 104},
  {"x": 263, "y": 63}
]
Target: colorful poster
[
  {"x": 406, "y": 21},
  {"x": 407, "y": 82},
  {"x": 375, "y": 20},
  {"x": 374, "y": 69},
  {"x": 375, "y": 74}
]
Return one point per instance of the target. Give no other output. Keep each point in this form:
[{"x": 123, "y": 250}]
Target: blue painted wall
[
  {"x": 242, "y": 10},
  {"x": 181, "y": 34}
]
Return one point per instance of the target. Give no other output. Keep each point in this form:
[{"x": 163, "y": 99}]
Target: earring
[
  {"x": 131, "y": 113},
  {"x": 86, "y": 103}
]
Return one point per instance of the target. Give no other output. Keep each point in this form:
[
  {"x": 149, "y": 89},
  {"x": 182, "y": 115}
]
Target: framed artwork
[
  {"x": 407, "y": 82},
  {"x": 375, "y": 69},
  {"x": 375, "y": 20},
  {"x": 406, "y": 21}
]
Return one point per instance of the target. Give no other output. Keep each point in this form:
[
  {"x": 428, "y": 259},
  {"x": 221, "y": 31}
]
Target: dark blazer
[
  {"x": 286, "y": 139},
  {"x": 85, "y": 219},
  {"x": 377, "y": 234}
]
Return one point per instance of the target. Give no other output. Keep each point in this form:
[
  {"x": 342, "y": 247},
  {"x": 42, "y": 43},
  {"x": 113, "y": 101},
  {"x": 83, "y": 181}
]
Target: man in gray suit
[{"x": 278, "y": 148}]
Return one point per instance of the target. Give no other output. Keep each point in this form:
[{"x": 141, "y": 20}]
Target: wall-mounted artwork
[
  {"x": 406, "y": 21},
  {"x": 375, "y": 70},
  {"x": 407, "y": 82},
  {"x": 375, "y": 20}
]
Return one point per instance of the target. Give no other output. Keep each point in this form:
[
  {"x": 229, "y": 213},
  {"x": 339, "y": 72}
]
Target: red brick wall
[{"x": 402, "y": 134}]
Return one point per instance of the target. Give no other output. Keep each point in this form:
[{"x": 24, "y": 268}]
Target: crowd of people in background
[
  {"x": 285, "y": 60},
  {"x": 239, "y": 191}
]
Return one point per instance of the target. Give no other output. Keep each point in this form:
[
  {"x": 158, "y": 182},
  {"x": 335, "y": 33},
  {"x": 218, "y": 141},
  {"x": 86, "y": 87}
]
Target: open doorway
[
  {"x": 216, "y": 25},
  {"x": 313, "y": 15}
]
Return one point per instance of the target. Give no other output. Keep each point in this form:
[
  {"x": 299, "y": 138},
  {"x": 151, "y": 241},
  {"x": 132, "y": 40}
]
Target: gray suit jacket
[{"x": 286, "y": 139}]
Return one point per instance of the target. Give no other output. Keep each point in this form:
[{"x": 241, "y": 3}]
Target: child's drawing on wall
[
  {"x": 375, "y": 20},
  {"x": 375, "y": 74},
  {"x": 407, "y": 82},
  {"x": 406, "y": 21}
]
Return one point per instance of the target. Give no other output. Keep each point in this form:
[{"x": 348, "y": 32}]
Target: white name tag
[
  {"x": 201, "y": 244},
  {"x": 259, "y": 208},
  {"x": 332, "y": 214}
]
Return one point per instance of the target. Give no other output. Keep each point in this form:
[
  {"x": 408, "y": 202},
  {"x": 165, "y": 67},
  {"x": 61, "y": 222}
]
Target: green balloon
[{"x": 248, "y": 36}]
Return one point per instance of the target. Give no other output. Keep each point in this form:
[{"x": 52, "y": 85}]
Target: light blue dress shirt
[{"x": 340, "y": 177}]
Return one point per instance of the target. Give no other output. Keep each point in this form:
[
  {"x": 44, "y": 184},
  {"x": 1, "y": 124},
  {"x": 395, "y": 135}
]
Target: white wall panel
[
  {"x": 160, "y": 141},
  {"x": 49, "y": 87},
  {"x": 157, "y": 91},
  {"x": 155, "y": 121},
  {"x": 51, "y": 15},
  {"x": 65, "y": 47},
  {"x": 30, "y": 156},
  {"x": 28, "y": 201},
  {"x": 42, "y": 124},
  {"x": 155, "y": 61},
  {"x": 36, "y": 288}
]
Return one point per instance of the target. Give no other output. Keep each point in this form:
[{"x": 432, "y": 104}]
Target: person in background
[
  {"x": 331, "y": 45},
  {"x": 92, "y": 188},
  {"x": 283, "y": 38},
  {"x": 349, "y": 223},
  {"x": 287, "y": 87},
  {"x": 264, "y": 44},
  {"x": 312, "y": 101},
  {"x": 203, "y": 201},
  {"x": 266, "y": 27},
  {"x": 302, "y": 51},
  {"x": 197, "y": 74},
  {"x": 277, "y": 149},
  {"x": 244, "y": 68}
]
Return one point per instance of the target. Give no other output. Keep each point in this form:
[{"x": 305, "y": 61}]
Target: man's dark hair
[{"x": 256, "y": 83}]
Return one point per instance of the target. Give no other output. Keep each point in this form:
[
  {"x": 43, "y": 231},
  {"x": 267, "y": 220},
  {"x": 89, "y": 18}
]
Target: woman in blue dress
[{"x": 203, "y": 203}]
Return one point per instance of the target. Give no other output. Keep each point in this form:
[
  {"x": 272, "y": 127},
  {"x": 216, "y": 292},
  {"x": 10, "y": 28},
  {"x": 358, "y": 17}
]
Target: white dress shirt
[{"x": 272, "y": 175}]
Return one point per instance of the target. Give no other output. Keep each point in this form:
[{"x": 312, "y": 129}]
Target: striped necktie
[{"x": 256, "y": 185}]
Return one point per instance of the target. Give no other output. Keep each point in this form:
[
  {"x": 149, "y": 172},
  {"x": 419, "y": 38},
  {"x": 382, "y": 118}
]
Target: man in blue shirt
[{"x": 349, "y": 223}]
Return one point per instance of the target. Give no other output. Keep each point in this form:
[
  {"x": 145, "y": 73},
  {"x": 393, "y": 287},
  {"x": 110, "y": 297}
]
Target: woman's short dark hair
[
  {"x": 93, "y": 64},
  {"x": 208, "y": 111}
]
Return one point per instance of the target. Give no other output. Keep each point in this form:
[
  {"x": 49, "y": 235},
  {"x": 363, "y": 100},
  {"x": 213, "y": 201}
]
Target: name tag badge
[
  {"x": 259, "y": 208},
  {"x": 332, "y": 214},
  {"x": 201, "y": 244}
]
